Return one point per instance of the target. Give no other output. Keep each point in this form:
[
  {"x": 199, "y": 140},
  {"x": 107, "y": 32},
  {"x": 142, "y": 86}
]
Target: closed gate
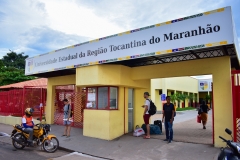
[
  {"x": 236, "y": 104},
  {"x": 77, "y": 101}
]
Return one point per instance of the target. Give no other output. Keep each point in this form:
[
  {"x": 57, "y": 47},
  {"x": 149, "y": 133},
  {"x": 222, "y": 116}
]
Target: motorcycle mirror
[{"x": 228, "y": 131}]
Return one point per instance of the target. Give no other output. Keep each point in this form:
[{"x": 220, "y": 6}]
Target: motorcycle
[
  {"x": 41, "y": 137},
  {"x": 231, "y": 151}
]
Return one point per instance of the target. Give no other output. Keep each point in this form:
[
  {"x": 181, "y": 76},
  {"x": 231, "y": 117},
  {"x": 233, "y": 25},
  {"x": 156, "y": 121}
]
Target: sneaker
[
  {"x": 170, "y": 141},
  {"x": 30, "y": 143},
  {"x": 165, "y": 140}
]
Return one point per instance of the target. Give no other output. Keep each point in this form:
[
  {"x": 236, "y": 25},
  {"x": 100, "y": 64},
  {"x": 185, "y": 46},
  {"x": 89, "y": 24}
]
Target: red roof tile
[{"x": 41, "y": 82}]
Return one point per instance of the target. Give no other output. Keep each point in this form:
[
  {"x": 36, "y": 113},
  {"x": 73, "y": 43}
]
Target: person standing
[
  {"x": 203, "y": 111},
  {"x": 146, "y": 115},
  {"x": 168, "y": 114},
  {"x": 67, "y": 118}
]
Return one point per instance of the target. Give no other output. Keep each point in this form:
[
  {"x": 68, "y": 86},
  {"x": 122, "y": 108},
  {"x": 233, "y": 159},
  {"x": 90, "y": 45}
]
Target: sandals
[
  {"x": 68, "y": 136},
  {"x": 146, "y": 137},
  {"x": 63, "y": 135}
]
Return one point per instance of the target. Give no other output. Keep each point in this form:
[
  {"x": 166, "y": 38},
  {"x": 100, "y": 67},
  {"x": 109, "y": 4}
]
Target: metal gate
[
  {"x": 34, "y": 97},
  {"x": 15, "y": 101},
  {"x": 77, "y": 101},
  {"x": 236, "y": 104}
]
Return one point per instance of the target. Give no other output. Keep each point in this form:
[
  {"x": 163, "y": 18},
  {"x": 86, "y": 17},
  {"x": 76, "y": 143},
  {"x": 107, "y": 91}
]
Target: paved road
[{"x": 7, "y": 151}]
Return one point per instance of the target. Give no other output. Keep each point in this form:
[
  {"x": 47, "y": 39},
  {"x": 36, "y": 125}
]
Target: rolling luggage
[
  {"x": 158, "y": 123},
  {"x": 154, "y": 129}
]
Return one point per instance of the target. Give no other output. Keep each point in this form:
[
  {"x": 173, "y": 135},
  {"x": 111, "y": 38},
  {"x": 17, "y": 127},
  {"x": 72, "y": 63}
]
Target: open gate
[
  {"x": 236, "y": 104},
  {"x": 77, "y": 101}
]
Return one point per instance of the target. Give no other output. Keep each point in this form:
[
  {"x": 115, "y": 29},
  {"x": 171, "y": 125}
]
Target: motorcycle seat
[{"x": 19, "y": 127}]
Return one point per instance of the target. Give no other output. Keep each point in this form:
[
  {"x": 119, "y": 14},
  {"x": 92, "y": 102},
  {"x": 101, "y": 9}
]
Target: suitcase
[
  {"x": 154, "y": 129},
  {"x": 158, "y": 123}
]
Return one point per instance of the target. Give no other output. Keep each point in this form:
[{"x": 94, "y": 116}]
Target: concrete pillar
[
  {"x": 157, "y": 101},
  {"x": 222, "y": 96},
  {"x": 187, "y": 100},
  {"x": 138, "y": 102},
  {"x": 50, "y": 109}
]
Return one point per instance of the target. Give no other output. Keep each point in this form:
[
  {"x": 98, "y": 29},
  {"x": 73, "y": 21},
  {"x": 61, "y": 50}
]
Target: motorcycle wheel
[
  {"x": 51, "y": 146},
  {"x": 15, "y": 143}
]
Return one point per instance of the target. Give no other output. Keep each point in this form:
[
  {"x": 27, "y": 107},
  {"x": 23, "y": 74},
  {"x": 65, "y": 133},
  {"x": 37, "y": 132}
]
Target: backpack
[
  {"x": 153, "y": 109},
  {"x": 71, "y": 114}
]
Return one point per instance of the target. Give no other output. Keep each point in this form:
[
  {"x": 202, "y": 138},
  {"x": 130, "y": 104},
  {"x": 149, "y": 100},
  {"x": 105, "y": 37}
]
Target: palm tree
[
  {"x": 178, "y": 98},
  {"x": 208, "y": 98},
  {"x": 191, "y": 97},
  {"x": 173, "y": 98}
]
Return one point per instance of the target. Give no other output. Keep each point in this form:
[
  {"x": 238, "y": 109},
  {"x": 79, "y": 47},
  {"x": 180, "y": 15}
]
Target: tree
[
  {"x": 9, "y": 75},
  {"x": 183, "y": 97},
  {"x": 178, "y": 98},
  {"x": 173, "y": 98},
  {"x": 12, "y": 67},
  {"x": 191, "y": 98},
  {"x": 12, "y": 59}
]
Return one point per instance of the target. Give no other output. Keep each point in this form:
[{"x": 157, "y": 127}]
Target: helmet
[{"x": 28, "y": 111}]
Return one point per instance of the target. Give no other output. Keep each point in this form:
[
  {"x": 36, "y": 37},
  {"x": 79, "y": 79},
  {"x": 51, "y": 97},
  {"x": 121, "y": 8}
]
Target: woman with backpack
[
  {"x": 67, "y": 116},
  {"x": 203, "y": 112}
]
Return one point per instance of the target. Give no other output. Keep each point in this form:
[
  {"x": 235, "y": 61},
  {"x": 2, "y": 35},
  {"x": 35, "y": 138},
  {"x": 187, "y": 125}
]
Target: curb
[{"x": 69, "y": 150}]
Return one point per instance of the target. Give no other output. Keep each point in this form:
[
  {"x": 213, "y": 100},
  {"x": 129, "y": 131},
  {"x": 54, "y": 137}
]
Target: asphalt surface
[{"x": 8, "y": 152}]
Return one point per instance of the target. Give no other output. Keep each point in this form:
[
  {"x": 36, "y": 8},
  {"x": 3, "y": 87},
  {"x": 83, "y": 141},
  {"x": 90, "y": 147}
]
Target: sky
[{"x": 39, "y": 26}]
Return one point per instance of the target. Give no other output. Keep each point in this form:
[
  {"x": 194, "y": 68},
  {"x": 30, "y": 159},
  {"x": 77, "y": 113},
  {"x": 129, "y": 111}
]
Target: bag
[
  {"x": 138, "y": 132},
  {"x": 199, "y": 119},
  {"x": 200, "y": 111},
  {"x": 154, "y": 129},
  {"x": 153, "y": 109},
  {"x": 158, "y": 123},
  {"x": 71, "y": 114}
]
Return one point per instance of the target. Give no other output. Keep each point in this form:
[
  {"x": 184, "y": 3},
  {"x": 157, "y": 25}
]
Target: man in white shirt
[{"x": 146, "y": 115}]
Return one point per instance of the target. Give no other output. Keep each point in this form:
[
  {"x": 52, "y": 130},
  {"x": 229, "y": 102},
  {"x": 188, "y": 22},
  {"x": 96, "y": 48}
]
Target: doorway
[{"x": 130, "y": 110}]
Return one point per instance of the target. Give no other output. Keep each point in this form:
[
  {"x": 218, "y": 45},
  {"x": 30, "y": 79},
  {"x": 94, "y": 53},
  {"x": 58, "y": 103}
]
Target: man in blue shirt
[{"x": 168, "y": 114}]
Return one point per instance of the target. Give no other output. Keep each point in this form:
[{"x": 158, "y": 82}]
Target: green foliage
[
  {"x": 9, "y": 75},
  {"x": 12, "y": 59},
  {"x": 173, "y": 98},
  {"x": 12, "y": 69},
  {"x": 195, "y": 98},
  {"x": 191, "y": 97},
  {"x": 185, "y": 109},
  {"x": 208, "y": 98}
]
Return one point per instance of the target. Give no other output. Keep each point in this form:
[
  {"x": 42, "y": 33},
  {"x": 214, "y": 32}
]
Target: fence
[
  {"x": 77, "y": 101},
  {"x": 15, "y": 101},
  {"x": 236, "y": 104}
]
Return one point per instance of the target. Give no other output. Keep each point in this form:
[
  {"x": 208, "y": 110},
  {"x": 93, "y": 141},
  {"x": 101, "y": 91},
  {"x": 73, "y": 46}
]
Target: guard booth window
[{"x": 102, "y": 98}]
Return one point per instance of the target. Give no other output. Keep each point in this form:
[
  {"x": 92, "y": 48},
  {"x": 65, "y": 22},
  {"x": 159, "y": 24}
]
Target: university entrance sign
[{"x": 208, "y": 29}]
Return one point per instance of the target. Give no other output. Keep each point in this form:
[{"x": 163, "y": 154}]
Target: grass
[{"x": 185, "y": 109}]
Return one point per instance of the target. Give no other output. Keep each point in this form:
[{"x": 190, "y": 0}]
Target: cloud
[
  {"x": 132, "y": 14},
  {"x": 45, "y": 39}
]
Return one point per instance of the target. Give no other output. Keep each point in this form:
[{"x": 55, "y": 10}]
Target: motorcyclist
[{"x": 28, "y": 124}]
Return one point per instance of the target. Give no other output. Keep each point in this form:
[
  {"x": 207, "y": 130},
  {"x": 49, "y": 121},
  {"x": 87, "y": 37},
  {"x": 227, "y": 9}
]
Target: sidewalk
[
  {"x": 186, "y": 129},
  {"x": 128, "y": 147}
]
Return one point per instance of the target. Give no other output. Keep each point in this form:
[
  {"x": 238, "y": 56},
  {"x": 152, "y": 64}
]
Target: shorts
[
  {"x": 146, "y": 118},
  {"x": 67, "y": 123}
]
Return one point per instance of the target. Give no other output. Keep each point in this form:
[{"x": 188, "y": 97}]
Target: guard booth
[{"x": 109, "y": 66}]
